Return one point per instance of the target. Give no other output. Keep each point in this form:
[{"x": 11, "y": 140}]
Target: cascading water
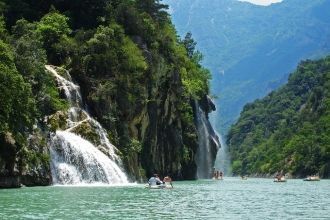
[
  {"x": 208, "y": 144},
  {"x": 75, "y": 160},
  {"x": 222, "y": 161}
]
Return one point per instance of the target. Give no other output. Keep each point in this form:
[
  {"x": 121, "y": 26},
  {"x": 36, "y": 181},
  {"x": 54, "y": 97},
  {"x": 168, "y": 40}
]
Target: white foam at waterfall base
[{"x": 76, "y": 160}]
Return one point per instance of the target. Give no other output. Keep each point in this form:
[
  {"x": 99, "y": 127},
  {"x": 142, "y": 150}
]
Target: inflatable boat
[
  {"x": 162, "y": 186},
  {"x": 312, "y": 178}
]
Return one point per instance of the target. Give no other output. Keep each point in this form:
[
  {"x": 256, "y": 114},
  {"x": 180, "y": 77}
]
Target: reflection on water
[{"x": 231, "y": 198}]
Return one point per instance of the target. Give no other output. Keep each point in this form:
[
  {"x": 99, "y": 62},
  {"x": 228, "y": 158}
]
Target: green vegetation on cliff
[
  {"x": 136, "y": 77},
  {"x": 288, "y": 130}
]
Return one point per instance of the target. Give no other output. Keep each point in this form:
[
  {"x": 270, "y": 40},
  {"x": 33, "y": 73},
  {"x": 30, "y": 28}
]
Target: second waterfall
[
  {"x": 74, "y": 159},
  {"x": 208, "y": 144}
]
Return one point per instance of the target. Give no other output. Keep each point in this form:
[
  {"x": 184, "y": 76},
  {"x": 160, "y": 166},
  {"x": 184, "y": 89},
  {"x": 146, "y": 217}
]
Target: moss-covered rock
[
  {"x": 57, "y": 121},
  {"x": 86, "y": 130},
  {"x": 25, "y": 163}
]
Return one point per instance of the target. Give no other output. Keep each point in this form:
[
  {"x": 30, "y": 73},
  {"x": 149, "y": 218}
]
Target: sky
[{"x": 262, "y": 2}]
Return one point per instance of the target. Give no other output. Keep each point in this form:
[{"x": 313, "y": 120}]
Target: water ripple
[{"x": 205, "y": 199}]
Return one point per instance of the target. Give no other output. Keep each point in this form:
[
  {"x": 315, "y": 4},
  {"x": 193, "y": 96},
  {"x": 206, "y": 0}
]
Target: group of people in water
[
  {"x": 155, "y": 180},
  {"x": 279, "y": 176},
  {"x": 217, "y": 174}
]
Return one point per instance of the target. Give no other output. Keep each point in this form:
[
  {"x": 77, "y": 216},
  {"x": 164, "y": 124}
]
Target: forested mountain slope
[
  {"x": 136, "y": 77},
  {"x": 288, "y": 130},
  {"x": 251, "y": 49}
]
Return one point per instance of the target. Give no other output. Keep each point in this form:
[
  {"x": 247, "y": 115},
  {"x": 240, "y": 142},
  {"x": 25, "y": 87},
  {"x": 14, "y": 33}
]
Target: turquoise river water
[{"x": 231, "y": 198}]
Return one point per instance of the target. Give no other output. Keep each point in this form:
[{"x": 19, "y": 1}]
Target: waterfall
[
  {"x": 75, "y": 160},
  {"x": 208, "y": 144},
  {"x": 222, "y": 161}
]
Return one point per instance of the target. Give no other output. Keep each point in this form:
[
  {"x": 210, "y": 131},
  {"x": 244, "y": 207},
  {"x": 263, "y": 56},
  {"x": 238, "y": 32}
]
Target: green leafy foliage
[
  {"x": 195, "y": 78},
  {"x": 30, "y": 60},
  {"x": 153, "y": 8},
  {"x": 288, "y": 130},
  {"x": 3, "y": 31},
  {"x": 54, "y": 29},
  {"x": 17, "y": 107},
  {"x": 136, "y": 77}
]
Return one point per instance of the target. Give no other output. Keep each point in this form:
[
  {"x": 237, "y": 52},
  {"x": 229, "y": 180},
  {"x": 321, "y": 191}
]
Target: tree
[
  {"x": 54, "y": 31},
  {"x": 190, "y": 44},
  {"x": 154, "y": 8},
  {"x": 3, "y": 31},
  {"x": 30, "y": 57}
]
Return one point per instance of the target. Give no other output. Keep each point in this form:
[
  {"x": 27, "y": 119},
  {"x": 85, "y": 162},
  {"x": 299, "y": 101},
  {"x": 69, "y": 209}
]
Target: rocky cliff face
[
  {"x": 153, "y": 135},
  {"x": 24, "y": 165}
]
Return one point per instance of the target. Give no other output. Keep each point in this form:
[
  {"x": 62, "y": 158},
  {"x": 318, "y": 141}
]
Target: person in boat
[
  {"x": 312, "y": 178},
  {"x": 280, "y": 177},
  {"x": 221, "y": 175},
  {"x": 155, "y": 180},
  {"x": 168, "y": 181},
  {"x": 243, "y": 177}
]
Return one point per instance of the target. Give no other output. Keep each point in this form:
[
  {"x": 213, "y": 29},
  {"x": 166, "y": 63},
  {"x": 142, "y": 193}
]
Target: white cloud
[{"x": 262, "y": 2}]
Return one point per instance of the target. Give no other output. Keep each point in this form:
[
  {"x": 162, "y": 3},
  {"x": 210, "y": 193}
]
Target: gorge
[
  {"x": 99, "y": 98},
  {"x": 251, "y": 49}
]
